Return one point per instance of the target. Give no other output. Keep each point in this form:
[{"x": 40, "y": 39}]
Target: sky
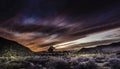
[{"x": 65, "y": 24}]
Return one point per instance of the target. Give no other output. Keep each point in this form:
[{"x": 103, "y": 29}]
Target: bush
[
  {"x": 100, "y": 59},
  {"x": 114, "y": 63},
  {"x": 58, "y": 64},
  {"x": 82, "y": 59},
  {"x": 86, "y": 65}
]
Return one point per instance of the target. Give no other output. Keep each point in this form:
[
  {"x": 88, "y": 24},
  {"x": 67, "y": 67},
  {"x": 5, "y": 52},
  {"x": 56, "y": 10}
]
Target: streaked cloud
[{"x": 101, "y": 36}]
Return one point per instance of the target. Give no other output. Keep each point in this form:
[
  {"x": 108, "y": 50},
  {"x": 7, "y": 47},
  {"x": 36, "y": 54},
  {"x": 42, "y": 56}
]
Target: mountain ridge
[{"x": 114, "y": 47}]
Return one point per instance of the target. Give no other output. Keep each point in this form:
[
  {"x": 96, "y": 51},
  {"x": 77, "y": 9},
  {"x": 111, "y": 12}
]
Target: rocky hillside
[{"x": 11, "y": 48}]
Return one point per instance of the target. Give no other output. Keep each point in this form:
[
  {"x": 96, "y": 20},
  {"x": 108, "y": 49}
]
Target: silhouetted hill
[
  {"x": 11, "y": 48},
  {"x": 114, "y": 47}
]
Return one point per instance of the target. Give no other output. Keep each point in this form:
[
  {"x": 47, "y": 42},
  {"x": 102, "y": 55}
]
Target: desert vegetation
[{"x": 61, "y": 62}]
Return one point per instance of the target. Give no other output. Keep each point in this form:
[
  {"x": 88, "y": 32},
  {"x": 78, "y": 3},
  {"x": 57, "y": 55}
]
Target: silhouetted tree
[{"x": 51, "y": 49}]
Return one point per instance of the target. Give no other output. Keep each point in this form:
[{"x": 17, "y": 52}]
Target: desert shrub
[
  {"x": 3, "y": 60},
  {"x": 74, "y": 63},
  {"x": 76, "y": 60},
  {"x": 114, "y": 63},
  {"x": 86, "y": 65},
  {"x": 68, "y": 59},
  {"x": 106, "y": 64},
  {"x": 82, "y": 59},
  {"x": 10, "y": 66},
  {"x": 20, "y": 64},
  {"x": 58, "y": 64},
  {"x": 36, "y": 67},
  {"x": 39, "y": 61},
  {"x": 100, "y": 59}
]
